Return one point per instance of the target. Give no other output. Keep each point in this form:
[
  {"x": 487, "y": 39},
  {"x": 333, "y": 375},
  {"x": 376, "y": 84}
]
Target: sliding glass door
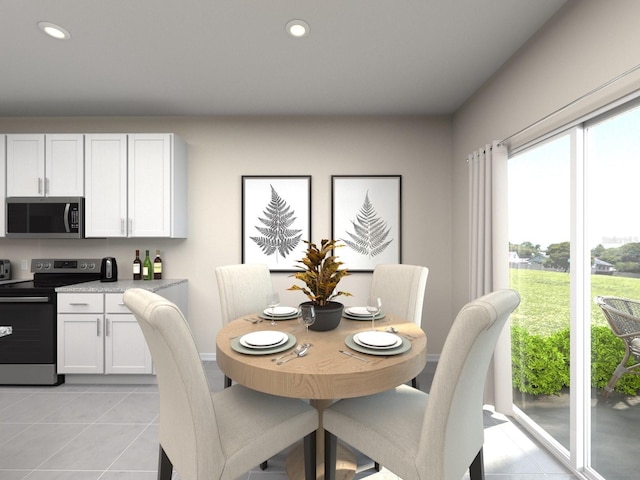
[
  {"x": 539, "y": 237},
  {"x": 612, "y": 151},
  {"x": 574, "y": 233}
]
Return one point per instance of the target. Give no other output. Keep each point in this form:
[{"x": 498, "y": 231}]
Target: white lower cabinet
[
  {"x": 125, "y": 349},
  {"x": 97, "y": 334}
]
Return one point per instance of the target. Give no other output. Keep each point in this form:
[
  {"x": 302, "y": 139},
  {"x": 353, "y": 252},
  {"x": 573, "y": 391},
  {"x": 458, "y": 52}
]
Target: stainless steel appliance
[
  {"x": 45, "y": 217},
  {"x": 109, "y": 270},
  {"x": 5, "y": 270},
  {"x": 28, "y": 310}
]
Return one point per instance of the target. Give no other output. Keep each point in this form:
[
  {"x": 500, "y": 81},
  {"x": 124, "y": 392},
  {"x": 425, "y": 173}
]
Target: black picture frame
[
  {"x": 366, "y": 216},
  {"x": 276, "y": 219}
]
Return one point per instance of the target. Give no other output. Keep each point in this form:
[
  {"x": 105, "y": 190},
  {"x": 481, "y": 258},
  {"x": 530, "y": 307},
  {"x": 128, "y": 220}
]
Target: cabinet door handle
[
  {"x": 77, "y": 304},
  {"x": 39, "y": 185},
  {"x": 122, "y": 226},
  {"x": 46, "y": 186},
  {"x": 106, "y": 327},
  {"x": 98, "y": 327}
]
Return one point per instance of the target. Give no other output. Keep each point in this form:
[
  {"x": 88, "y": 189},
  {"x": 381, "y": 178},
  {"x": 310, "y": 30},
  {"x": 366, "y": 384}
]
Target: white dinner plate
[
  {"x": 386, "y": 347},
  {"x": 289, "y": 343},
  {"x": 362, "y": 318},
  {"x": 405, "y": 346},
  {"x": 280, "y": 311},
  {"x": 263, "y": 339},
  {"x": 375, "y": 339},
  {"x": 357, "y": 311}
]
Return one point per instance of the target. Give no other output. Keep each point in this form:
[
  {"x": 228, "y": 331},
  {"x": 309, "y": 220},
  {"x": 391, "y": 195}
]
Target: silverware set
[
  {"x": 299, "y": 351},
  {"x": 352, "y": 355}
]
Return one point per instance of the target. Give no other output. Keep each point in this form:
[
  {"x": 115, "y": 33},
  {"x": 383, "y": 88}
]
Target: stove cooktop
[{"x": 52, "y": 273}]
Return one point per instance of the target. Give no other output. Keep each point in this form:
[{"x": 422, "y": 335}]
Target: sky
[{"x": 539, "y": 186}]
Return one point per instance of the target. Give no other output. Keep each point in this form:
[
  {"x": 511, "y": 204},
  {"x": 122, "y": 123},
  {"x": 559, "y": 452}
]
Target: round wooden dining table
[{"x": 324, "y": 374}]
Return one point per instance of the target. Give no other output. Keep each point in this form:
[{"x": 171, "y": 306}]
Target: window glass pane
[
  {"x": 539, "y": 235},
  {"x": 613, "y": 223}
]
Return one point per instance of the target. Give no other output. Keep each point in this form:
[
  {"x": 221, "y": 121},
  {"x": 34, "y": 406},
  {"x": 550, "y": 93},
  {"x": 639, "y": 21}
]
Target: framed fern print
[
  {"x": 366, "y": 217},
  {"x": 276, "y": 219}
]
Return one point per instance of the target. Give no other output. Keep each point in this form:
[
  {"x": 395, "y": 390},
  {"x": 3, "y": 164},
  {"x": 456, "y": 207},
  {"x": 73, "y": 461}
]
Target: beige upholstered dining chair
[
  {"x": 448, "y": 439},
  {"x": 401, "y": 288},
  {"x": 243, "y": 290},
  {"x": 209, "y": 436}
]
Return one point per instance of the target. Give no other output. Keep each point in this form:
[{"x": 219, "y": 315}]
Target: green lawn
[{"x": 544, "y": 308}]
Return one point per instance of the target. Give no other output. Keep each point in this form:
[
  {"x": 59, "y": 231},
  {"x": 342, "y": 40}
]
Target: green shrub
[
  {"x": 606, "y": 352},
  {"x": 541, "y": 363}
]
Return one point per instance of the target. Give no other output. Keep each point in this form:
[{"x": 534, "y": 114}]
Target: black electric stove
[{"x": 28, "y": 309}]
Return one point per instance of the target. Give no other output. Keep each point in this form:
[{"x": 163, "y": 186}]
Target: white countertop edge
[{"x": 120, "y": 286}]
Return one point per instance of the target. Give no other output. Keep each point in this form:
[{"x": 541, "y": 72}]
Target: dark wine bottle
[
  {"x": 157, "y": 266},
  {"x": 147, "y": 270},
  {"x": 137, "y": 267}
]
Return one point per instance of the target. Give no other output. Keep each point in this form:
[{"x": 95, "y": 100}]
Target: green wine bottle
[{"x": 147, "y": 269}]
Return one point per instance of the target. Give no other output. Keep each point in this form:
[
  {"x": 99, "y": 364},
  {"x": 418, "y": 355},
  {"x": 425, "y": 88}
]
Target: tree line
[{"x": 625, "y": 258}]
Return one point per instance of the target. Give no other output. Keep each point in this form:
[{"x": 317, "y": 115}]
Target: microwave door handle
[{"x": 66, "y": 217}]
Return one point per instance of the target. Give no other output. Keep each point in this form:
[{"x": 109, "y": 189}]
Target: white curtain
[{"x": 489, "y": 254}]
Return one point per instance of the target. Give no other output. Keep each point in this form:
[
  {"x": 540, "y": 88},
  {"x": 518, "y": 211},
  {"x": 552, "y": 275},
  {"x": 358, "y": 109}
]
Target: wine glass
[
  {"x": 307, "y": 318},
  {"x": 374, "y": 306},
  {"x": 273, "y": 300}
]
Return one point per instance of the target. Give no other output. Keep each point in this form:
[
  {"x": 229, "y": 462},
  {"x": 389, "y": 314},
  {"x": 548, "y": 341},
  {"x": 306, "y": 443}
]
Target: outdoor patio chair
[{"x": 623, "y": 316}]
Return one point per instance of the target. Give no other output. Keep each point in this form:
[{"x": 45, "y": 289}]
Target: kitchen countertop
[{"x": 120, "y": 286}]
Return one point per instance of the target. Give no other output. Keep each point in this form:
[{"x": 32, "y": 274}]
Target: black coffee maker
[{"x": 109, "y": 270}]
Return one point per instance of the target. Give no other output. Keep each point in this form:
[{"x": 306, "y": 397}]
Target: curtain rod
[{"x": 572, "y": 103}]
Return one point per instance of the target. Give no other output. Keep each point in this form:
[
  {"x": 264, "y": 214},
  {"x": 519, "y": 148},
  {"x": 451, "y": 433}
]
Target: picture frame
[
  {"x": 276, "y": 219},
  {"x": 366, "y": 214}
]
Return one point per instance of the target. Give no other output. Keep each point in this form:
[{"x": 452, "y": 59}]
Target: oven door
[{"x": 29, "y": 329}]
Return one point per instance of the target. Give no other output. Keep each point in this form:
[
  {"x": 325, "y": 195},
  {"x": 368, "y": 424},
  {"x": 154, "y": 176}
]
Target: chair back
[
  {"x": 452, "y": 432},
  {"x": 622, "y": 314},
  {"x": 401, "y": 288},
  {"x": 188, "y": 427},
  {"x": 243, "y": 289}
]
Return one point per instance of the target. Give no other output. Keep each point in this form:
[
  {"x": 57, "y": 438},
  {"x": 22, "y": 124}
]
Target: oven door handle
[{"x": 24, "y": 299}]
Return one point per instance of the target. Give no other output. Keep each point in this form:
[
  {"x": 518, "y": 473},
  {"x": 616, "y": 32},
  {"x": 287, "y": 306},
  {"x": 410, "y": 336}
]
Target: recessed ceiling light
[
  {"x": 53, "y": 30},
  {"x": 297, "y": 28}
]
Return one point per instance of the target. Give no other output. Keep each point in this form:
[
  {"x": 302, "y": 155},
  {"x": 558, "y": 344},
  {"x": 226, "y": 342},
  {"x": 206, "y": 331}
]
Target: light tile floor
[{"x": 109, "y": 432}]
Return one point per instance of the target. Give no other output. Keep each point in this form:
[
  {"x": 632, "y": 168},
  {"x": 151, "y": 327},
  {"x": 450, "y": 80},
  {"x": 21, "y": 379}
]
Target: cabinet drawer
[
  {"x": 80, "y": 303},
  {"x": 113, "y": 303}
]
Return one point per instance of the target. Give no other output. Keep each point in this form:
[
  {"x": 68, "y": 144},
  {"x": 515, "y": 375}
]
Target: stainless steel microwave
[{"x": 45, "y": 217}]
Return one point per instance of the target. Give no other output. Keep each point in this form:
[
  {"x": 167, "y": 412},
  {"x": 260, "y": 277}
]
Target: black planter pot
[{"x": 327, "y": 317}]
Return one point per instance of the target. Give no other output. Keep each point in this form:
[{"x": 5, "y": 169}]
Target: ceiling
[{"x": 233, "y": 57}]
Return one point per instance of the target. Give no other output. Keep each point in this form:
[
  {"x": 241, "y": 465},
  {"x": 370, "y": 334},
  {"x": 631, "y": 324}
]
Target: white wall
[
  {"x": 585, "y": 45},
  {"x": 221, "y": 150}
]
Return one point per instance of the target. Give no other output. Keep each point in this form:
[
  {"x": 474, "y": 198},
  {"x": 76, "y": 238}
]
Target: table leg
[{"x": 345, "y": 465}]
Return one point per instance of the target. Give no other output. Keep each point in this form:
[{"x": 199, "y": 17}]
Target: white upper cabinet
[
  {"x": 106, "y": 185},
  {"x": 25, "y": 165},
  {"x": 45, "y": 165},
  {"x": 157, "y": 186}
]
